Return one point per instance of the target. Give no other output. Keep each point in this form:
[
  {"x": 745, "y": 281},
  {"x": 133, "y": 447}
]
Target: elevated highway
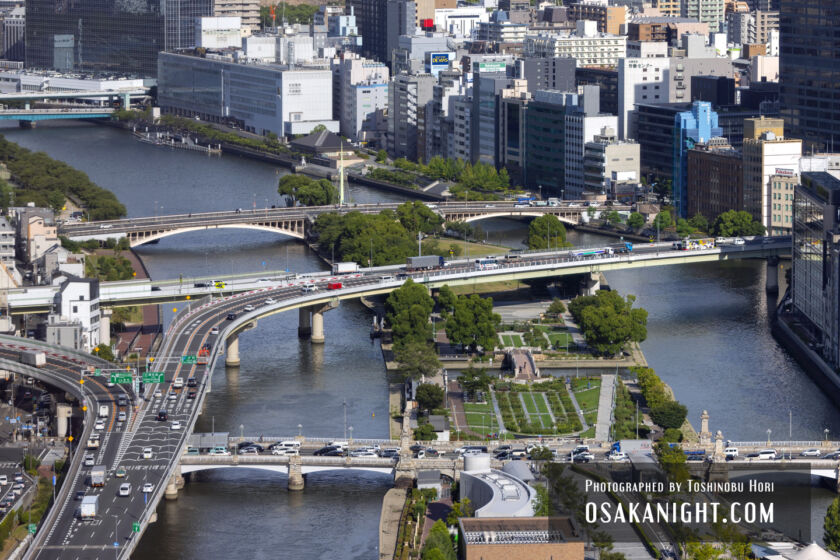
[{"x": 38, "y": 114}]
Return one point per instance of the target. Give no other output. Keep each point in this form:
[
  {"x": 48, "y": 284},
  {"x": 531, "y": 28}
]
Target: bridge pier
[
  {"x": 591, "y": 284},
  {"x": 232, "y": 351},
  {"x": 105, "y": 327},
  {"x": 318, "y": 327},
  {"x": 296, "y": 482},
  {"x": 26, "y": 124},
  {"x": 176, "y": 482},
  {"x": 772, "y": 280},
  {"x": 304, "y": 323}
]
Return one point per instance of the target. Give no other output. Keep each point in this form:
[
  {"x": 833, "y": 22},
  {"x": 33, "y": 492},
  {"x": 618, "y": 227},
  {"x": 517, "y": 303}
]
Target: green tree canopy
[
  {"x": 557, "y": 306},
  {"x": 438, "y": 545},
  {"x": 609, "y": 321},
  {"x": 546, "y": 231},
  {"x": 636, "y": 220},
  {"x": 672, "y": 460},
  {"x": 429, "y": 396},
  {"x": 473, "y": 323},
  {"x": 416, "y": 360},
  {"x": 407, "y": 310},
  {"x": 831, "y": 526},
  {"x": 669, "y": 414},
  {"x": 306, "y": 191},
  {"x": 381, "y": 156},
  {"x": 614, "y": 217},
  {"x": 664, "y": 219},
  {"x": 474, "y": 379},
  {"x": 416, "y": 216},
  {"x": 446, "y": 299},
  {"x": 356, "y": 237},
  {"x": 426, "y": 432},
  {"x": 699, "y": 222},
  {"x": 734, "y": 223}
]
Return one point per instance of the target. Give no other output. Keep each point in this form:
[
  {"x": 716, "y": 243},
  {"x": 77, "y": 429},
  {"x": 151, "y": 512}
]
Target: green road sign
[
  {"x": 135, "y": 527},
  {"x": 189, "y": 359},
  {"x": 32, "y": 528},
  {"x": 121, "y": 378},
  {"x": 153, "y": 377},
  {"x": 97, "y": 372}
]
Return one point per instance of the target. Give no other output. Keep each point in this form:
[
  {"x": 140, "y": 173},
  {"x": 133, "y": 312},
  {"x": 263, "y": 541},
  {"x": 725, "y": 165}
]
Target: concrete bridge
[
  {"x": 43, "y": 114},
  {"x": 295, "y": 221}
]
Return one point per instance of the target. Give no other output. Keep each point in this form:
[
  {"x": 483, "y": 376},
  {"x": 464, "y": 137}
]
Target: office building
[
  {"x": 587, "y": 46},
  {"x": 683, "y": 68},
  {"x": 815, "y": 279},
  {"x": 248, "y": 11},
  {"x": 717, "y": 90},
  {"x": 582, "y": 126},
  {"x": 440, "y": 113},
  {"x": 78, "y": 302},
  {"x": 381, "y": 22},
  {"x": 647, "y": 49},
  {"x": 607, "y": 81},
  {"x": 668, "y": 29},
  {"x": 505, "y": 32},
  {"x": 360, "y": 92},
  {"x": 766, "y": 21},
  {"x": 809, "y": 66},
  {"x": 608, "y": 18},
  {"x": 607, "y": 161},
  {"x": 260, "y": 98},
  {"x": 545, "y": 122},
  {"x": 407, "y": 100},
  {"x": 640, "y": 80},
  {"x": 14, "y": 34},
  {"x": 710, "y": 12},
  {"x": 513, "y": 103},
  {"x": 547, "y": 72},
  {"x": 461, "y": 145},
  {"x": 654, "y": 130},
  {"x": 485, "y": 135},
  {"x": 109, "y": 36},
  {"x": 460, "y": 22},
  {"x": 670, "y": 8},
  {"x": 740, "y": 28},
  {"x": 766, "y": 154},
  {"x": 218, "y": 32},
  {"x": 696, "y": 125},
  {"x": 715, "y": 179}
]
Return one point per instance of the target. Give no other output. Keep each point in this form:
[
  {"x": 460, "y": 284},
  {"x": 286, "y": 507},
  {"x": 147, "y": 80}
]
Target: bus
[
  {"x": 592, "y": 252},
  {"x": 486, "y": 264}
]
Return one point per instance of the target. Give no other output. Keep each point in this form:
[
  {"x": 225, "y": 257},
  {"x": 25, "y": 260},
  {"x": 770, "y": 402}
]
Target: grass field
[
  {"x": 512, "y": 341},
  {"x": 539, "y": 400},
  {"x": 481, "y": 418},
  {"x": 529, "y": 403},
  {"x": 588, "y": 400},
  {"x": 560, "y": 339}
]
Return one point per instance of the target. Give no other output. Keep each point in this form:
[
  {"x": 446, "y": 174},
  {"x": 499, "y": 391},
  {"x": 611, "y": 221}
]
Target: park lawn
[
  {"x": 560, "y": 339},
  {"x": 482, "y": 423},
  {"x": 590, "y": 433},
  {"x": 539, "y": 400},
  {"x": 591, "y": 417},
  {"x": 517, "y": 340},
  {"x": 588, "y": 400},
  {"x": 529, "y": 403},
  {"x": 546, "y": 421},
  {"x": 475, "y": 407},
  {"x": 582, "y": 383},
  {"x": 506, "y": 341}
]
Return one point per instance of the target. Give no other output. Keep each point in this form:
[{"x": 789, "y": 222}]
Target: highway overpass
[{"x": 43, "y": 114}]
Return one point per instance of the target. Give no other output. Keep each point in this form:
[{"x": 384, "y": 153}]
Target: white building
[
  {"x": 765, "y": 157},
  {"x": 586, "y": 46},
  {"x": 580, "y": 129},
  {"x": 16, "y": 81},
  {"x": 501, "y": 32},
  {"x": 640, "y": 80},
  {"x": 78, "y": 302},
  {"x": 361, "y": 89},
  {"x": 218, "y": 32},
  {"x": 764, "y": 68},
  {"x": 647, "y": 49},
  {"x": 248, "y": 11},
  {"x": 460, "y": 22}
]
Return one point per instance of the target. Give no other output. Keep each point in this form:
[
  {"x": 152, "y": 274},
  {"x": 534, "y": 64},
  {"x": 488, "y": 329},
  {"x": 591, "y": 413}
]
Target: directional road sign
[
  {"x": 32, "y": 528},
  {"x": 121, "y": 378},
  {"x": 153, "y": 377},
  {"x": 189, "y": 359},
  {"x": 135, "y": 527}
]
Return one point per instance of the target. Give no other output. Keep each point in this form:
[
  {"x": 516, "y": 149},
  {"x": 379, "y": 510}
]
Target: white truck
[
  {"x": 97, "y": 476},
  {"x": 89, "y": 507},
  {"x": 104, "y": 411},
  {"x": 345, "y": 267},
  {"x": 31, "y": 358}
]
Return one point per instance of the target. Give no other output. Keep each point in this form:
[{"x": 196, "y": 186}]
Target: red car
[{"x": 334, "y": 286}]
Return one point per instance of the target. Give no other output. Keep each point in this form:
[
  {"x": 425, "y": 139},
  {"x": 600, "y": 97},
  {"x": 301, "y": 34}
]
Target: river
[{"x": 708, "y": 337}]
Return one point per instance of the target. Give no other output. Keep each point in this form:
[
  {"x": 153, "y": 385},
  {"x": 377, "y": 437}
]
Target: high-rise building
[
  {"x": 513, "y": 105},
  {"x": 609, "y": 18},
  {"x": 809, "y": 67},
  {"x": 485, "y": 122},
  {"x": 107, "y": 35},
  {"x": 587, "y": 46},
  {"x": 640, "y": 80},
  {"x": 381, "y": 22},
  {"x": 360, "y": 90},
  {"x": 715, "y": 181},
  {"x": 705, "y": 11},
  {"x": 545, "y": 149},
  {"x": 607, "y": 161},
  {"x": 247, "y": 10},
  {"x": 547, "y": 72},
  {"x": 407, "y": 100},
  {"x": 582, "y": 126},
  {"x": 14, "y": 34},
  {"x": 691, "y": 127}
]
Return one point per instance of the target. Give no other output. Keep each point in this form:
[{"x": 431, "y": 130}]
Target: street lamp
[
  {"x": 300, "y": 430},
  {"x": 241, "y": 431},
  {"x": 769, "y": 431},
  {"x": 351, "y": 434},
  {"x": 826, "y": 434}
]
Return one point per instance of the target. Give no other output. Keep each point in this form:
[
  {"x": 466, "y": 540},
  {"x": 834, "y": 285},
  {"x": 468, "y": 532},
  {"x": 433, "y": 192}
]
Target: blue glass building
[{"x": 690, "y": 127}]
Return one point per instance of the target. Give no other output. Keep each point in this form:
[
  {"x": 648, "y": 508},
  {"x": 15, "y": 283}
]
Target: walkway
[
  {"x": 389, "y": 521},
  {"x": 497, "y": 411},
  {"x": 544, "y": 397},
  {"x": 605, "y": 404},
  {"x": 577, "y": 407},
  {"x": 456, "y": 405},
  {"x": 523, "y": 368}
]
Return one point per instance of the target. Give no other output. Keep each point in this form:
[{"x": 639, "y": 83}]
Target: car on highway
[
  {"x": 162, "y": 416},
  {"x": 100, "y": 425},
  {"x": 248, "y": 308},
  {"x": 122, "y": 416},
  {"x": 285, "y": 451},
  {"x": 738, "y": 241},
  {"x": 178, "y": 382},
  {"x": 120, "y": 472},
  {"x": 813, "y": 452},
  {"x": 326, "y": 449},
  {"x": 219, "y": 450},
  {"x": 192, "y": 382},
  {"x": 583, "y": 457},
  {"x": 192, "y": 394},
  {"x": 334, "y": 286},
  {"x": 4, "y": 480},
  {"x": 364, "y": 453},
  {"x": 335, "y": 453},
  {"x": 90, "y": 460},
  {"x": 389, "y": 452},
  {"x": 269, "y": 301},
  {"x": 147, "y": 452},
  {"x": 244, "y": 444},
  {"x": 158, "y": 394},
  {"x": 176, "y": 425},
  {"x": 80, "y": 494},
  {"x": 231, "y": 316},
  {"x": 249, "y": 451},
  {"x": 148, "y": 488},
  {"x": 214, "y": 330},
  {"x": 172, "y": 396},
  {"x": 618, "y": 456},
  {"x": 832, "y": 456},
  {"x": 192, "y": 451},
  {"x": 125, "y": 489}
]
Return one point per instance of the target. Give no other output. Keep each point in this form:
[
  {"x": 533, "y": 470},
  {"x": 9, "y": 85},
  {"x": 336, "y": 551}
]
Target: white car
[
  {"x": 147, "y": 452},
  {"x": 214, "y": 330},
  {"x": 100, "y": 425},
  {"x": 364, "y": 454},
  {"x": 125, "y": 489},
  {"x": 148, "y": 488},
  {"x": 285, "y": 451},
  {"x": 248, "y": 308},
  {"x": 122, "y": 416},
  {"x": 158, "y": 394},
  {"x": 739, "y": 241},
  {"x": 618, "y": 456},
  {"x": 176, "y": 425},
  {"x": 90, "y": 460},
  {"x": 269, "y": 301},
  {"x": 4, "y": 480},
  {"x": 172, "y": 396},
  {"x": 811, "y": 453},
  {"x": 178, "y": 382}
]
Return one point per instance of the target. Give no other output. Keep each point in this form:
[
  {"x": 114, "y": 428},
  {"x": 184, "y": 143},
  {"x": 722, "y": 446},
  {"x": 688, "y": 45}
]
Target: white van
[
  {"x": 289, "y": 444},
  {"x": 731, "y": 452},
  {"x": 767, "y": 454},
  {"x": 340, "y": 444},
  {"x": 104, "y": 411},
  {"x": 178, "y": 383},
  {"x": 739, "y": 241},
  {"x": 309, "y": 288}
]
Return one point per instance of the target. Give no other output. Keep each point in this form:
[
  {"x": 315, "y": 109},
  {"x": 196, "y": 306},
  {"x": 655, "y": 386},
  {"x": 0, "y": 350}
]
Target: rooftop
[
  {"x": 510, "y": 495},
  {"x": 518, "y": 530}
]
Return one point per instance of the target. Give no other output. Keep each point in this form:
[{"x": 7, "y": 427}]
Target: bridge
[
  {"x": 41, "y": 114},
  {"x": 295, "y": 221}
]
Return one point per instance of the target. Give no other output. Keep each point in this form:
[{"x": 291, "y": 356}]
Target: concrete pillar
[
  {"x": 105, "y": 327},
  {"x": 772, "y": 281},
  {"x": 26, "y": 124},
  {"x": 705, "y": 434},
  {"x": 176, "y": 482},
  {"x": 232, "y": 352},
  {"x": 317, "y": 327},
  {"x": 295, "y": 474},
  {"x": 591, "y": 284},
  {"x": 719, "y": 456},
  {"x": 62, "y": 413},
  {"x": 304, "y": 324}
]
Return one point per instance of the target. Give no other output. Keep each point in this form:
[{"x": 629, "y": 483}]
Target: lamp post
[
  {"x": 241, "y": 431},
  {"x": 826, "y": 434},
  {"x": 300, "y": 430},
  {"x": 344, "y": 404},
  {"x": 769, "y": 431},
  {"x": 351, "y": 434}
]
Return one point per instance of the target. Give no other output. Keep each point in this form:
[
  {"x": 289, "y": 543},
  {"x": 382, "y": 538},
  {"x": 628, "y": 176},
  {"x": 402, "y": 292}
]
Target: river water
[{"x": 708, "y": 337}]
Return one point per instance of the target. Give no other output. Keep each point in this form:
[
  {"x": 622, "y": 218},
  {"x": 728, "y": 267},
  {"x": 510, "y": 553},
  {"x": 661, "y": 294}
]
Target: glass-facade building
[
  {"x": 122, "y": 36},
  {"x": 809, "y": 68},
  {"x": 815, "y": 281}
]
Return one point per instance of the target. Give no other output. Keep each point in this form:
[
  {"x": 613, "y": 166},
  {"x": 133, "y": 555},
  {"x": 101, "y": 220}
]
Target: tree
[
  {"x": 417, "y": 217},
  {"x": 684, "y": 229},
  {"x": 541, "y": 454},
  {"x": 672, "y": 460},
  {"x": 474, "y": 379},
  {"x": 590, "y": 211},
  {"x": 407, "y": 310},
  {"x": 614, "y": 217},
  {"x": 636, "y": 220},
  {"x": 546, "y": 232},
  {"x": 381, "y": 156},
  {"x": 429, "y": 396},
  {"x": 426, "y": 432},
  {"x": 699, "y": 222},
  {"x": 557, "y": 306},
  {"x": 473, "y": 323},
  {"x": 542, "y": 507},
  {"x": 608, "y": 321},
  {"x": 831, "y": 526},
  {"x": 663, "y": 219},
  {"x": 670, "y": 414},
  {"x": 464, "y": 508},
  {"x": 306, "y": 191},
  {"x": 318, "y": 128},
  {"x": 672, "y": 435},
  {"x": 446, "y": 299},
  {"x": 703, "y": 551},
  {"x": 417, "y": 360},
  {"x": 736, "y": 223},
  {"x": 438, "y": 545},
  {"x": 103, "y": 352}
]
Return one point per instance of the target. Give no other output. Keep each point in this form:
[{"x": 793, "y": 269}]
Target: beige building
[
  {"x": 781, "y": 192},
  {"x": 248, "y": 10},
  {"x": 609, "y": 18},
  {"x": 608, "y": 162},
  {"x": 765, "y": 22},
  {"x": 519, "y": 538},
  {"x": 672, "y": 8}
]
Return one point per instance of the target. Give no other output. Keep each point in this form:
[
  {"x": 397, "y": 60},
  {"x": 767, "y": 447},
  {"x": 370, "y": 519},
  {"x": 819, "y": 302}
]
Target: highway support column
[
  {"x": 304, "y": 324},
  {"x": 772, "y": 281},
  {"x": 591, "y": 284},
  {"x": 318, "y": 320},
  {"x": 105, "y": 327},
  {"x": 232, "y": 350},
  {"x": 295, "y": 473},
  {"x": 176, "y": 482}
]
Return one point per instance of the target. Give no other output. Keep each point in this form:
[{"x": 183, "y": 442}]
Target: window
[{"x": 75, "y": 309}]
